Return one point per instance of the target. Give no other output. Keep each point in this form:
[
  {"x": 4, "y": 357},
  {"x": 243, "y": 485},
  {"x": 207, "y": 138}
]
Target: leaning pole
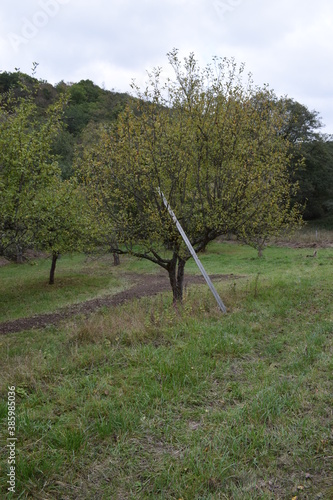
[{"x": 193, "y": 253}]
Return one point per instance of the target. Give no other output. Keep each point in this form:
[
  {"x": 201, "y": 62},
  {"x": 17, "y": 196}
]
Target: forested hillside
[{"x": 88, "y": 107}]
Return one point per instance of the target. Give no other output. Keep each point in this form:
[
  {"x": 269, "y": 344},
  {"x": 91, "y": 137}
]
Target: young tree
[
  {"x": 211, "y": 144},
  {"x": 27, "y": 166},
  {"x": 57, "y": 223}
]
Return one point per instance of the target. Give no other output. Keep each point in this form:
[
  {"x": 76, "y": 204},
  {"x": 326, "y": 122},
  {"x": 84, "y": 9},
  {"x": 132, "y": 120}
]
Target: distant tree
[
  {"x": 211, "y": 143},
  {"x": 314, "y": 173},
  {"x": 8, "y": 81},
  {"x": 300, "y": 124},
  {"x": 316, "y": 178},
  {"x": 91, "y": 104},
  {"x": 85, "y": 91}
]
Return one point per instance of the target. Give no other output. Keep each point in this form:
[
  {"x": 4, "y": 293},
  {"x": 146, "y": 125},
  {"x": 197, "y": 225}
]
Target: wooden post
[{"x": 194, "y": 255}]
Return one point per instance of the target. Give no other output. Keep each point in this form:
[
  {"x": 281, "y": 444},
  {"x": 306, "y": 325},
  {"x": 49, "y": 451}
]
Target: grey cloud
[{"x": 286, "y": 44}]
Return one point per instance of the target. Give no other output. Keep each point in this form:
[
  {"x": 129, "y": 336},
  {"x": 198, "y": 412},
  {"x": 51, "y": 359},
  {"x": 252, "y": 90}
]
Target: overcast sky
[{"x": 286, "y": 43}]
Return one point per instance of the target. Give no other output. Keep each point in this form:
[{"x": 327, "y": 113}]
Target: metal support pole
[{"x": 194, "y": 255}]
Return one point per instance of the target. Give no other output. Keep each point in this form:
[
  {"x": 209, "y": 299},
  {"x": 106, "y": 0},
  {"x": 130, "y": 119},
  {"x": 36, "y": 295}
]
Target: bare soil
[{"x": 144, "y": 285}]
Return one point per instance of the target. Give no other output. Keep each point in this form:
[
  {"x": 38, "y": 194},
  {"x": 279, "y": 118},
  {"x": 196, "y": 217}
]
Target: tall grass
[{"x": 151, "y": 401}]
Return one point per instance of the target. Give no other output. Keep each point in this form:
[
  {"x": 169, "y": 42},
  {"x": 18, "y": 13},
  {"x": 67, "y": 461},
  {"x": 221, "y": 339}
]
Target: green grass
[
  {"x": 25, "y": 290},
  {"x": 147, "y": 401}
]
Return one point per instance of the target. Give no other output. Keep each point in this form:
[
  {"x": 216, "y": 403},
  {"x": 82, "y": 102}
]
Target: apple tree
[{"x": 210, "y": 140}]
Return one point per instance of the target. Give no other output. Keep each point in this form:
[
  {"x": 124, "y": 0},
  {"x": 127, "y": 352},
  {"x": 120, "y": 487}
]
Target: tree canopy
[{"x": 27, "y": 166}]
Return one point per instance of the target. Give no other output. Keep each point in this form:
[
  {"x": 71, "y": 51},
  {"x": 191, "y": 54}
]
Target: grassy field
[
  {"x": 25, "y": 290},
  {"x": 147, "y": 401}
]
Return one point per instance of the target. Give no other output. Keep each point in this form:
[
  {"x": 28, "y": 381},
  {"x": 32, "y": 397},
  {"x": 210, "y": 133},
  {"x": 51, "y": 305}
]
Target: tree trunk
[
  {"x": 176, "y": 277},
  {"x": 55, "y": 256},
  {"x": 116, "y": 259},
  {"x": 19, "y": 254}
]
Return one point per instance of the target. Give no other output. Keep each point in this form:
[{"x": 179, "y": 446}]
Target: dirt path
[{"x": 145, "y": 285}]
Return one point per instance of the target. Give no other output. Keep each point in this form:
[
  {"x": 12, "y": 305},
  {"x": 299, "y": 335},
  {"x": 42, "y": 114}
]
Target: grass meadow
[{"x": 148, "y": 401}]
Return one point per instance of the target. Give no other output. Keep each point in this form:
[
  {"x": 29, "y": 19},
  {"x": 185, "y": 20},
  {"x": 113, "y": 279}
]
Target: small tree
[
  {"x": 27, "y": 166},
  {"x": 57, "y": 223},
  {"x": 211, "y": 144}
]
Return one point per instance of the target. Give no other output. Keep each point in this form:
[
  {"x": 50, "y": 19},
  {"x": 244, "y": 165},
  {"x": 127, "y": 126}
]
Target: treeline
[
  {"x": 81, "y": 167},
  {"x": 315, "y": 177}
]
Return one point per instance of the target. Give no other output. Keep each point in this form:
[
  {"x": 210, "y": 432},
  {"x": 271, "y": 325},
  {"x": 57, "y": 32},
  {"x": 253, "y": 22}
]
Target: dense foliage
[
  {"x": 28, "y": 167},
  {"x": 315, "y": 178},
  {"x": 38, "y": 209}
]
